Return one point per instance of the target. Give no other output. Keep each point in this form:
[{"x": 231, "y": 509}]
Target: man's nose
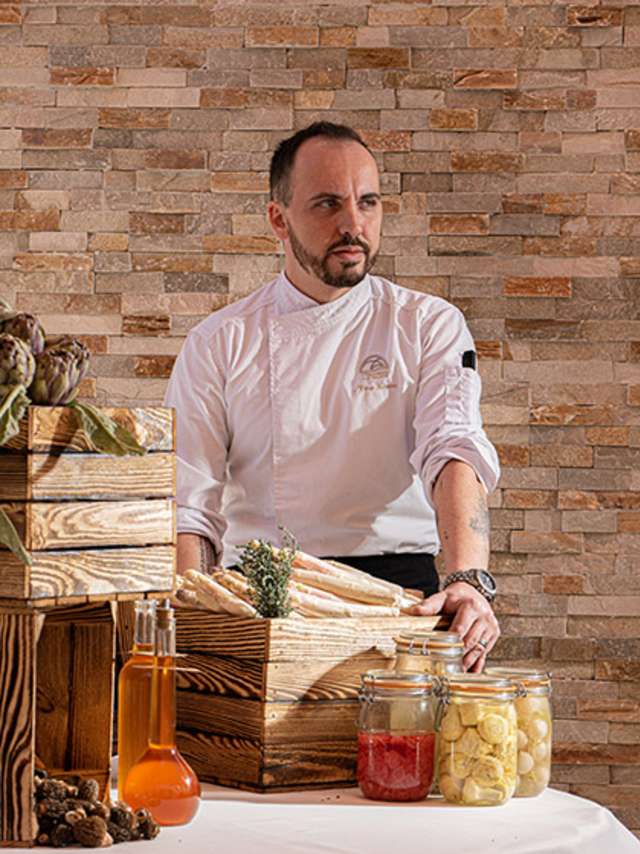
[{"x": 350, "y": 219}]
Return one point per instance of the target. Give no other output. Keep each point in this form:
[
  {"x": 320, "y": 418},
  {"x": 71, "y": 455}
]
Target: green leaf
[
  {"x": 12, "y": 410},
  {"x": 9, "y": 537},
  {"x": 103, "y": 433}
]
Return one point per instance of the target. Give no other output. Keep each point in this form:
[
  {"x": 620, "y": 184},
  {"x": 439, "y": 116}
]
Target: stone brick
[
  {"x": 534, "y": 100},
  {"x": 170, "y": 262},
  {"x": 607, "y": 436},
  {"x": 590, "y": 16},
  {"x": 153, "y": 366},
  {"x": 565, "y": 203},
  {"x": 523, "y": 204},
  {"x": 82, "y": 76},
  {"x": 537, "y": 286},
  {"x": 382, "y": 57},
  {"x": 157, "y": 223},
  {"x": 486, "y": 161},
  {"x": 485, "y": 78},
  {"x": 513, "y": 455},
  {"x": 282, "y": 36},
  {"x": 29, "y": 220},
  {"x": 109, "y": 117},
  {"x": 459, "y": 224},
  {"x": 630, "y": 267},
  {"x": 560, "y": 247},
  {"x": 561, "y": 456},
  {"x": 180, "y": 159},
  {"x": 160, "y": 57},
  {"x": 528, "y": 499},
  {"x": 196, "y": 282},
  {"x": 498, "y": 37},
  {"x": 456, "y": 120},
  {"x": 570, "y": 753},
  {"x": 146, "y": 324},
  {"x": 239, "y": 182},
  {"x": 56, "y": 138}
]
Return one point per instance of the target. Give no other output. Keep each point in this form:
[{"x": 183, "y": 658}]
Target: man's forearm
[
  {"x": 463, "y": 517},
  {"x": 195, "y": 552}
]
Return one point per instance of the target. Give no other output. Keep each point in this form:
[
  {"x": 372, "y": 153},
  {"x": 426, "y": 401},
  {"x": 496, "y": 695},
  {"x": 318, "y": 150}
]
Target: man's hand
[{"x": 473, "y": 620}]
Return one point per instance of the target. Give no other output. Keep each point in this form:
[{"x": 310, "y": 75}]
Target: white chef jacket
[{"x": 332, "y": 420}]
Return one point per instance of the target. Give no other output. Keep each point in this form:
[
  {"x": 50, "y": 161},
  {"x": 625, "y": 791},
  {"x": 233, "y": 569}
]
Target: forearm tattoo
[
  {"x": 207, "y": 556},
  {"x": 479, "y": 522}
]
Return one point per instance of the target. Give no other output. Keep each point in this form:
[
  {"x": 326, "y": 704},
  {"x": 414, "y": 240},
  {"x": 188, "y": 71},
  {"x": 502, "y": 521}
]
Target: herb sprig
[{"x": 268, "y": 570}]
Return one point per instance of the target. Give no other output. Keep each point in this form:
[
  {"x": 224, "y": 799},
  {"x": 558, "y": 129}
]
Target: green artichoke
[
  {"x": 59, "y": 369},
  {"x": 17, "y": 364},
  {"x": 26, "y": 327}
]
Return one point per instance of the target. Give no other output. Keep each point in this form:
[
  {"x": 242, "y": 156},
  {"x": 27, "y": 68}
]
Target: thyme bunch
[{"x": 268, "y": 570}]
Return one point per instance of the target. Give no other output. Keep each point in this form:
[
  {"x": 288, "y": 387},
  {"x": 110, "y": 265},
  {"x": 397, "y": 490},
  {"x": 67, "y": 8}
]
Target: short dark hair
[{"x": 285, "y": 154}]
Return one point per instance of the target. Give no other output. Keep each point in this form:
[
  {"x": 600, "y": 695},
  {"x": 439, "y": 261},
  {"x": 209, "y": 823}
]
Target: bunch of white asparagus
[{"x": 317, "y": 588}]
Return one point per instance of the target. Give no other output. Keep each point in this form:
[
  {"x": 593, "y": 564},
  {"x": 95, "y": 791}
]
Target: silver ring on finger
[{"x": 483, "y": 643}]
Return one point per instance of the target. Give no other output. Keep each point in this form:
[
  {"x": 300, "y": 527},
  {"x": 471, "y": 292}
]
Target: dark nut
[{"x": 91, "y": 831}]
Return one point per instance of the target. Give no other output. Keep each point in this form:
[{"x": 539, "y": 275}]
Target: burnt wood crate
[
  {"x": 100, "y": 530},
  {"x": 270, "y": 705},
  {"x": 95, "y": 524}
]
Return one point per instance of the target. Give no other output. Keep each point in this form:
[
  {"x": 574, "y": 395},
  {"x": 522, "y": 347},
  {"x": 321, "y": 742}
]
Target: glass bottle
[
  {"x": 396, "y": 739},
  {"x": 533, "y": 710},
  {"x": 161, "y": 780},
  {"x": 477, "y": 750},
  {"x": 134, "y": 692}
]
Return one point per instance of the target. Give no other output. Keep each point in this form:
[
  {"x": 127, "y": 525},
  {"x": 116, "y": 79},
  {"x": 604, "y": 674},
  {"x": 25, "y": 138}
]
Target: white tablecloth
[{"x": 341, "y": 821}]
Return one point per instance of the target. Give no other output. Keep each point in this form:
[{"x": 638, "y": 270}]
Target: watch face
[{"x": 486, "y": 580}]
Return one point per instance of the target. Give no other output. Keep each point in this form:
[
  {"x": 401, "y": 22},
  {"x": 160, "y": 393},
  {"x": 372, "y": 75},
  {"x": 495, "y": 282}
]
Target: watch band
[{"x": 480, "y": 579}]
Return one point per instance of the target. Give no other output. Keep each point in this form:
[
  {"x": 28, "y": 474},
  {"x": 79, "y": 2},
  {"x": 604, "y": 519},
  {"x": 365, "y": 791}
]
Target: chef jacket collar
[{"x": 292, "y": 301}]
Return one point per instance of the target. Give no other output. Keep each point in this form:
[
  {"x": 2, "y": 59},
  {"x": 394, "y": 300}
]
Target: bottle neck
[
  {"x": 145, "y": 624},
  {"x": 163, "y": 703}
]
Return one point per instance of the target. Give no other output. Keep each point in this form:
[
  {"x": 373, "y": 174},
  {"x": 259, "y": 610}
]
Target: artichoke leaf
[
  {"x": 9, "y": 537},
  {"x": 12, "y": 410},
  {"x": 103, "y": 433}
]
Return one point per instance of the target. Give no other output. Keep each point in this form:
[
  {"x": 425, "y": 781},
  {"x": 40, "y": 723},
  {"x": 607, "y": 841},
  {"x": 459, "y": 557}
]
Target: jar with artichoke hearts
[
  {"x": 396, "y": 739},
  {"x": 477, "y": 753},
  {"x": 533, "y": 710},
  {"x": 435, "y": 653}
]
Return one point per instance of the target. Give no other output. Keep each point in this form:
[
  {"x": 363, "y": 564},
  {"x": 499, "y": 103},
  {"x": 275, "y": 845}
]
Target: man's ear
[{"x": 275, "y": 212}]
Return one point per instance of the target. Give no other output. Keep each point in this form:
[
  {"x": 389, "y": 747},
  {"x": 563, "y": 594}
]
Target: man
[{"x": 338, "y": 405}]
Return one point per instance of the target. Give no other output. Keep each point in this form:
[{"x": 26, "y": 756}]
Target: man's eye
[
  {"x": 327, "y": 203},
  {"x": 369, "y": 203}
]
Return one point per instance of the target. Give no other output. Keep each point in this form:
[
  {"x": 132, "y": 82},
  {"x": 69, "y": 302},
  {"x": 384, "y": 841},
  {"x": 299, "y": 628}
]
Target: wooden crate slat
[
  {"x": 54, "y": 428},
  {"x": 222, "y": 675},
  {"x": 245, "y": 764},
  {"x": 38, "y": 477},
  {"x": 18, "y": 633},
  {"x": 287, "y": 681},
  {"x": 201, "y": 631},
  {"x": 285, "y": 723},
  {"x": 291, "y": 639},
  {"x": 46, "y": 525},
  {"x": 218, "y": 759},
  {"x": 99, "y": 572}
]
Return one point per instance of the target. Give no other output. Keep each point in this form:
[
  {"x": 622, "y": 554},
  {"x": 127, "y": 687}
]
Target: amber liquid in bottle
[
  {"x": 161, "y": 780},
  {"x": 134, "y": 692}
]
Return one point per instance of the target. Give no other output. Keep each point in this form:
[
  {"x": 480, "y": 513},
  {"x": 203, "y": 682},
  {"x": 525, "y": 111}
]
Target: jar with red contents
[{"x": 396, "y": 735}]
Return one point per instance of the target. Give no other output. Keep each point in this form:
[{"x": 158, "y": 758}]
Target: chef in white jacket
[{"x": 337, "y": 405}]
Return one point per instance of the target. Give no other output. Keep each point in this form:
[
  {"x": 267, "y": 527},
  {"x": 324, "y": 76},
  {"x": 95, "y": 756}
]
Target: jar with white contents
[
  {"x": 436, "y": 653},
  {"x": 533, "y": 710},
  {"x": 477, "y": 752}
]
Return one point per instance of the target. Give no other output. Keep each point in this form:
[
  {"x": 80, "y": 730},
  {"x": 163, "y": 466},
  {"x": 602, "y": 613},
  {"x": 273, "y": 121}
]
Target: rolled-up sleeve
[
  {"x": 448, "y": 423},
  {"x": 196, "y": 392}
]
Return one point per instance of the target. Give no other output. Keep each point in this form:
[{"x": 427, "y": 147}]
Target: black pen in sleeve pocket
[{"x": 469, "y": 359}]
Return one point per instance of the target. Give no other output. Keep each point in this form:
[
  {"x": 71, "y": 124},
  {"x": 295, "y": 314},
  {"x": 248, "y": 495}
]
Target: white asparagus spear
[
  {"x": 235, "y": 582},
  {"x": 319, "y": 603},
  {"x": 209, "y": 591},
  {"x": 350, "y": 587}
]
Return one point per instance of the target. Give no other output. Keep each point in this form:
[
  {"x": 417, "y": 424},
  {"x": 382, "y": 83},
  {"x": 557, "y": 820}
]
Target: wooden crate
[
  {"x": 56, "y": 699},
  {"x": 100, "y": 529},
  {"x": 96, "y": 525},
  {"x": 273, "y": 704}
]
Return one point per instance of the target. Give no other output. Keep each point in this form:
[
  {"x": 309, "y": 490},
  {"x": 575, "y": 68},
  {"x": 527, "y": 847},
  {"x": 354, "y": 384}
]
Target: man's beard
[{"x": 349, "y": 275}]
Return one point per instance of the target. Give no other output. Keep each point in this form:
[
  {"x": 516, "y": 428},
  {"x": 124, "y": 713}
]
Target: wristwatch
[{"x": 481, "y": 579}]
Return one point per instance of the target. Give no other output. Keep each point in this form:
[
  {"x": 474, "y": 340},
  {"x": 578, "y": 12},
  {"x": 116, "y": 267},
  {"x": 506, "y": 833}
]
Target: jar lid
[
  {"x": 531, "y": 679},
  {"x": 428, "y": 643},
  {"x": 393, "y": 683},
  {"x": 479, "y": 686}
]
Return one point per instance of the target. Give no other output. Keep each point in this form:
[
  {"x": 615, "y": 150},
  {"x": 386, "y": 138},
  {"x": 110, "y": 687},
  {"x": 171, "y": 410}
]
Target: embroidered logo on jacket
[{"x": 374, "y": 372}]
